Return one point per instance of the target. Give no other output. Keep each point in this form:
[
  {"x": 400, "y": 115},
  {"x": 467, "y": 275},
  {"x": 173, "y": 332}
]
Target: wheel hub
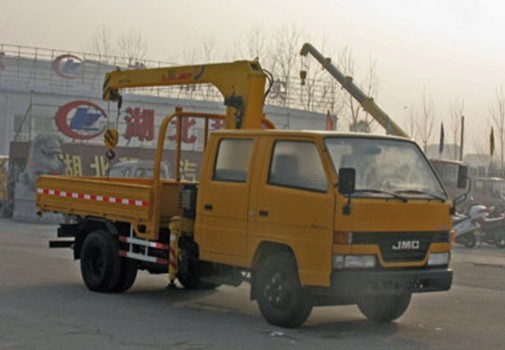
[
  {"x": 277, "y": 291},
  {"x": 96, "y": 262}
]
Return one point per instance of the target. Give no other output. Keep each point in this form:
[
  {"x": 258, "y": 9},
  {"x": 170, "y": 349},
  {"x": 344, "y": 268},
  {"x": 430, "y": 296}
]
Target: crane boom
[
  {"x": 366, "y": 102},
  {"x": 242, "y": 83}
]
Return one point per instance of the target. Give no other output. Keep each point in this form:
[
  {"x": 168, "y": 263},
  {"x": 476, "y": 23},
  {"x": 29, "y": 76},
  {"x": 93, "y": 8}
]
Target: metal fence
[{"x": 29, "y": 67}]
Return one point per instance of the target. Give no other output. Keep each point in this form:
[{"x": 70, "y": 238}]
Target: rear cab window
[{"x": 233, "y": 160}]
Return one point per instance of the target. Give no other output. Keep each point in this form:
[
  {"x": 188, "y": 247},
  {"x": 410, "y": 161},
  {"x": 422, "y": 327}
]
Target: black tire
[
  {"x": 281, "y": 298},
  {"x": 189, "y": 270},
  {"x": 100, "y": 262},
  {"x": 127, "y": 276},
  {"x": 500, "y": 240},
  {"x": 384, "y": 308},
  {"x": 469, "y": 240}
]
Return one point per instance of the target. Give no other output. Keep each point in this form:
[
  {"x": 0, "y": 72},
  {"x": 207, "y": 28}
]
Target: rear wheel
[
  {"x": 127, "y": 276},
  {"x": 281, "y": 299},
  {"x": 189, "y": 272},
  {"x": 384, "y": 308},
  {"x": 100, "y": 262}
]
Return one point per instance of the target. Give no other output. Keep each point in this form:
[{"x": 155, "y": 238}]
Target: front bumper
[
  {"x": 357, "y": 283},
  {"x": 348, "y": 285}
]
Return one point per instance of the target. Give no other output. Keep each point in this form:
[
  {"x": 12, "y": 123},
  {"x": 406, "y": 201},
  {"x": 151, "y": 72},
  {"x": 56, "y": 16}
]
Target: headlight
[
  {"x": 353, "y": 261},
  {"x": 439, "y": 259}
]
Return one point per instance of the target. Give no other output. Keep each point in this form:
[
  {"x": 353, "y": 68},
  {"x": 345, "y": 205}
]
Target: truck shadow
[{"x": 170, "y": 294}]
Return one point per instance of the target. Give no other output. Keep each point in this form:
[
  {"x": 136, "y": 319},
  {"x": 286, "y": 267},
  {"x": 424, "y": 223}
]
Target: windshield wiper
[
  {"x": 432, "y": 195},
  {"x": 392, "y": 194}
]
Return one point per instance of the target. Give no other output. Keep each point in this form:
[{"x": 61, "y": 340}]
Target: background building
[{"x": 41, "y": 89}]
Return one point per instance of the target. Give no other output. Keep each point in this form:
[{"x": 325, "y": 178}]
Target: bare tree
[
  {"x": 209, "y": 49},
  {"x": 497, "y": 113},
  {"x": 280, "y": 54},
  {"x": 359, "y": 120},
  {"x": 102, "y": 43},
  {"x": 426, "y": 120},
  {"x": 199, "y": 54},
  {"x": 286, "y": 48},
  {"x": 371, "y": 82},
  {"x": 409, "y": 120},
  {"x": 481, "y": 144},
  {"x": 257, "y": 45},
  {"x": 129, "y": 45},
  {"x": 456, "y": 110},
  {"x": 132, "y": 46}
]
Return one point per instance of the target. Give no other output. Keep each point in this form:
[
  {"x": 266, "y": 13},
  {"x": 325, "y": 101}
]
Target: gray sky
[{"x": 453, "y": 48}]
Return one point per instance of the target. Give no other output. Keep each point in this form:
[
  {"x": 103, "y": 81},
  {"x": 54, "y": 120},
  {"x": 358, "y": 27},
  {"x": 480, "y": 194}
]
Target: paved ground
[{"x": 44, "y": 305}]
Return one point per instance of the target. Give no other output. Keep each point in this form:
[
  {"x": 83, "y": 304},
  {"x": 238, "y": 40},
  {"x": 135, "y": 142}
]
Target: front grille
[{"x": 397, "y": 246}]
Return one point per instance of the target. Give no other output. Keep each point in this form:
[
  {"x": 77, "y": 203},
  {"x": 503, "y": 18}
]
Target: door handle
[
  {"x": 208, "y": 207},
  {"x": 263, "y": 213}
]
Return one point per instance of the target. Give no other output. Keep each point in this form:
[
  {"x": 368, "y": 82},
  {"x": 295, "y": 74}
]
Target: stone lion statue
[{"x": 43, "y": 159}]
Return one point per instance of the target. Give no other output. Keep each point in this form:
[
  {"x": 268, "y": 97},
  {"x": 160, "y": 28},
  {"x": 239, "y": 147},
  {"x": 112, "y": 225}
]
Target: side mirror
[
  {"x": 462, "y": 176},
  {"x": 346, "y": 180}
]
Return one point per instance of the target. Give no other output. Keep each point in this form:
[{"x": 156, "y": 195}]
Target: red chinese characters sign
[
  {"x": 139, "y": 123},
  {"x": 187, "y": 123}
]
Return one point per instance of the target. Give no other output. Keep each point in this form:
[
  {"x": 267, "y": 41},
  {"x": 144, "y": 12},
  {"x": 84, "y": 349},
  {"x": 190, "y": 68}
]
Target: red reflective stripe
[
  {"x": 143, "y": 242},
  {"x": 136, "y": 256},
  {"x": 93, "y": 197},
  {"x": 162, "y": 261}
]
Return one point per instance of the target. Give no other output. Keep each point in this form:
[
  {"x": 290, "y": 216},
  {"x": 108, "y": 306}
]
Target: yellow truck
[{"x": 309, "y": 218}]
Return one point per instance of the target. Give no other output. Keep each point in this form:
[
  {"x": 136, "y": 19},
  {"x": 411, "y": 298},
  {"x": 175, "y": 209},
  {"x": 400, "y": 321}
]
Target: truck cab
[{"x": 276, "y": 193}]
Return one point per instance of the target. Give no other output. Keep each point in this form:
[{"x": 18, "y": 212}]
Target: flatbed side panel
[{"x": 94, "y": 197}]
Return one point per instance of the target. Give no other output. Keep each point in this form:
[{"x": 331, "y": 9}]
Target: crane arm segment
[
  {"x": 366, "y": 102},
  {"x": 242, "y": 83}
]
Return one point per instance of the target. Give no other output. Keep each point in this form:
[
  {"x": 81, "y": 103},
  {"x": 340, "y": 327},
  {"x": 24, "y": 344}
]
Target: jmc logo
[
  {"x": 81, "y": 120},
  {"x": 406, "y": 245},
  {"x": 67, "y": 66}
]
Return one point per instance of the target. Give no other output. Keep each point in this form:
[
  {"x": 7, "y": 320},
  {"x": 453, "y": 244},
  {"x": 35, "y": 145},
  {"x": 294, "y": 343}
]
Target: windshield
[{"x": 385, "y": 166}]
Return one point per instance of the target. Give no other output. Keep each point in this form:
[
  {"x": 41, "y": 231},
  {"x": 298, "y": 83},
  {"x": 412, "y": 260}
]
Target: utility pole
[{"x": 462, "y": 138}]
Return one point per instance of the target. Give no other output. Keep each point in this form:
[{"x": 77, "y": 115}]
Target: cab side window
[
  {"x": 297, "y": 164},
  {"x": 233, "y": 159}
]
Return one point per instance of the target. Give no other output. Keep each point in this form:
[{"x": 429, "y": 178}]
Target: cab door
[
  {"x": 293, "y": 204},
  {"x": 223, "y": 201}
]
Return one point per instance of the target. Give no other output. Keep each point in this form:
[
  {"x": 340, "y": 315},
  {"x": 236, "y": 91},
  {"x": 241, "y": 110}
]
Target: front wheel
[
  {"x": 384, "y": 308},
  {"x": 281, "y": 298}
]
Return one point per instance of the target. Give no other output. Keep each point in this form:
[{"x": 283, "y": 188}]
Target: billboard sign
[
  {"x": 81, "y": 120},
  {"x": 67, "y": 66}
]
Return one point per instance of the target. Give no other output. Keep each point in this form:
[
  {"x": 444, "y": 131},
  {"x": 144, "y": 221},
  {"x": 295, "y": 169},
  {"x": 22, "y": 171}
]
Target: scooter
[
  {"x": 492, "y": 229},
  {"x": 467, "y": 227}
]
